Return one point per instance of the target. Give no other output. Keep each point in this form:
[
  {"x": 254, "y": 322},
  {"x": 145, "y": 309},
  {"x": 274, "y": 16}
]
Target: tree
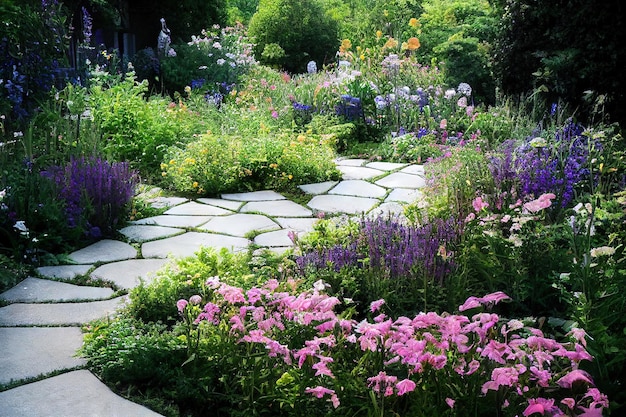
[{"x": 300, "y": 27}]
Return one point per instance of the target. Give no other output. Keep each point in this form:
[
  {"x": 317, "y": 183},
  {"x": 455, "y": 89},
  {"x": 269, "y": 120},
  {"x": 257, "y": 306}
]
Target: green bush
[
  {"x": 300, "y": 27},
  {"x": 215, "y": 164}
]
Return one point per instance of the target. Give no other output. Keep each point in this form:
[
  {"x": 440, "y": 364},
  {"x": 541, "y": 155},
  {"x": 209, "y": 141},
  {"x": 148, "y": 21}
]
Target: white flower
[
  {"x": 217, "y": 45},
  {"x": 311, "y": 67},
  {"x": 465, "y": 89},
  {"x": 17, "y": 134},
  {"x": 3, "y": 193},
  {"x": 602, "y": 251},
  {"x": 21, "y": 226},
  {"x": 221, "y": 61},
  {"x": 449, "y": 94}
]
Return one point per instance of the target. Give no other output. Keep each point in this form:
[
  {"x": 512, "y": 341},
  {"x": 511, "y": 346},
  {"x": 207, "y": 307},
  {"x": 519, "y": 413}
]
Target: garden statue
[{"x": 164, "y": 40}]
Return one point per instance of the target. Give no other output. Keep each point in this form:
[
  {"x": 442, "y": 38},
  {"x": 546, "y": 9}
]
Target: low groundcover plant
[{"x": 296, "y": 350}]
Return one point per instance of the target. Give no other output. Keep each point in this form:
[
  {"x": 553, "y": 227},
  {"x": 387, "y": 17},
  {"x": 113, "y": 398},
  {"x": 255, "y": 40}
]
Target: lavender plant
[
  {"x": 96, "y": 193},
  {"x": 401, "y": 262}
]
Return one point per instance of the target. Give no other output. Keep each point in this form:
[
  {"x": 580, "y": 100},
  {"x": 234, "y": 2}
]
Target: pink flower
[
  {"x": 544, "y": 201},
  {"x": 450, "y": 402},
  {"x": 274, "y": 114},
  {"x": 376, "y": 305},
  {"x": 181, "y": 304},
  {"x": 471, "y": 302},
  {"x": 319, "y": 391},
  {"x": 541, "y": 406},
  {"x": 573, "y": 377},
  {"x": 195, "y": 299},
  {"x": 443, "y": 124},
  {"x": 569, "y": 403},
  {"x": 405, "y": 386},
  {"x": 479, "y": 204}
]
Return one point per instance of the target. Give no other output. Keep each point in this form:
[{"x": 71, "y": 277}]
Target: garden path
[{"x": 40, "y": 323}]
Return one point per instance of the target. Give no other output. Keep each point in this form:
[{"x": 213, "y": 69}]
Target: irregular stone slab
[
  {"x": 265, "y": 195},
  {"x": 196, "y": 209},
  {"x": 59, "y": 314},
  {"x": 281, "y": 208},
  {"x": 104, "y": 251},
  {"x": 385, "y": 166},
  {"x": 174, "y": 221},
  {"x": 76, "y": 393},
  {"x": 358, "y": 188},
  {"x": 296, "y": 223},
  {"x": 401, "y": 180},
  {"x": 342, "y": 204},
  {"x": 128, "y": 274},
  {"x": 385, "y": 210},
  {"x": 318, "y": 188},
  {"x": 36, "y": 290},
  {"x": 404, "y": 195},
  {"x": 227, "y": 204},
  {"x": 163, "y": 202},
  {"x": 353, "y": 162},
  {"x": 240, "y": 224},
  {"x": 278, "y": 238},
  {"x": 414, "y": 169},
  {"x": 63, "y": 271},
  {"x": 33, "y": 351},
  {"x": 189, "y": 243},
  {"x": 358, "y": 173},
  {"x": 143, "y": 233}
]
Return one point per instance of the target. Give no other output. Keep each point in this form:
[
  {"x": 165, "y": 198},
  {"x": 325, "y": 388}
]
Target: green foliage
[
  {"x": 215, "y": 164},
  {"x": 301, "y": 28}
]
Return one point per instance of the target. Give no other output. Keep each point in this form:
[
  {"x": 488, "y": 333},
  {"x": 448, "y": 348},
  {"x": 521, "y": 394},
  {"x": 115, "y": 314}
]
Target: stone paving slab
[
  {"x": 73, "y": 394},
  {"x": 240, "y": 224},
  {"x": 58, "y": 314},
  {"x": 227, "y": 204},
  {"x": 143, "y": 233},
  {"x": 404, "y": 195},
  {"x": 36, "y": 290},
  {"x": 279, "y": 208},
  {"x": 128, "y": 274},
  {"x": 277, "y": 238},
  {"x": 319, "y": 188},
  {"x": 414, "y": 169},
  {"x": 169, "y": 220},
  {"x": 358, "y": 188},
  {"x": 387, "y": 209},
  {"x": 353, "y": 162},
  {"x": 193, "y": 208},
  {"x": 342, "y": 204},
  {"x": 385, "y": 166},
  {"x": 358, "y": 172},
  {"x": 297, "y": 224},
  {"x": 189, "y": 243},
  {"x": 37, "y": 350},
  {"x": 164, "y": 202},
  {"x": 401, "y": 180},
  {"x": 63, "y": 271},
  {"x": 104, "y": 251},
  {"x": 264, "y": 195}
]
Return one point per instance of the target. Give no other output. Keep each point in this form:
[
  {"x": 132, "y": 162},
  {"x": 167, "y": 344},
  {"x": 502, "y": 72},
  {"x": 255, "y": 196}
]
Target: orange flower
[
  {"x": 413, "y": 44},
  {"x": 391, "y": 43},
  {"x": 413, "y": 22}
]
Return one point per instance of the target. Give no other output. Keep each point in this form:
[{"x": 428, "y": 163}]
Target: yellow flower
[
  {"x": 391, "y": 43},
  {"x": 345, "y": 45},
  {"x": 413, "y": 22},
  {"x": 379, "y": 34},
  {"x": 187, "y": 89},
  {"x": 362, "y": 57},
  {"x": 195, "y": 184},
  {"x": 273, "y": 166}
]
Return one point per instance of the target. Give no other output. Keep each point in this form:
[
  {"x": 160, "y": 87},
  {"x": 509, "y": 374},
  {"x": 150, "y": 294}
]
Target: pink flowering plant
[{"x": 286, "y": 350}]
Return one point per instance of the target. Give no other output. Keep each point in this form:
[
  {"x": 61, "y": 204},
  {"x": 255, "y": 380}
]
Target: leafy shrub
[
  {"x": 301, "y": 28},
  {"x": 218, "y": 56},
  {"x": 216, "y": 164}
]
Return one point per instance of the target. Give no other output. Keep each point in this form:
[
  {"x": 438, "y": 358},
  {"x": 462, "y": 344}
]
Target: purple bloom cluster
[
  {"x": 96, "y": 193},
  {"x": 349, "y": 107},
  {"x": 396, "y": 249},
  {"x": 538, "y": 166}
]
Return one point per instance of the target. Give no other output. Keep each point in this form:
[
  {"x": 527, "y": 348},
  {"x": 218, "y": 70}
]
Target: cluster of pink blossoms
[{"x": 511, "y": 356}]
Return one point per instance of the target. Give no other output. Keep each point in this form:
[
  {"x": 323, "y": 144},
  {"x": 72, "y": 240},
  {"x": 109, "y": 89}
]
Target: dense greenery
[{"x": 524, "y": 206}]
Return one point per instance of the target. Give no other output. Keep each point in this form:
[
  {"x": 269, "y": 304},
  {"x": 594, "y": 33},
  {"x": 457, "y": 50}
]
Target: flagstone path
[{"x": 40, "y": 322}]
